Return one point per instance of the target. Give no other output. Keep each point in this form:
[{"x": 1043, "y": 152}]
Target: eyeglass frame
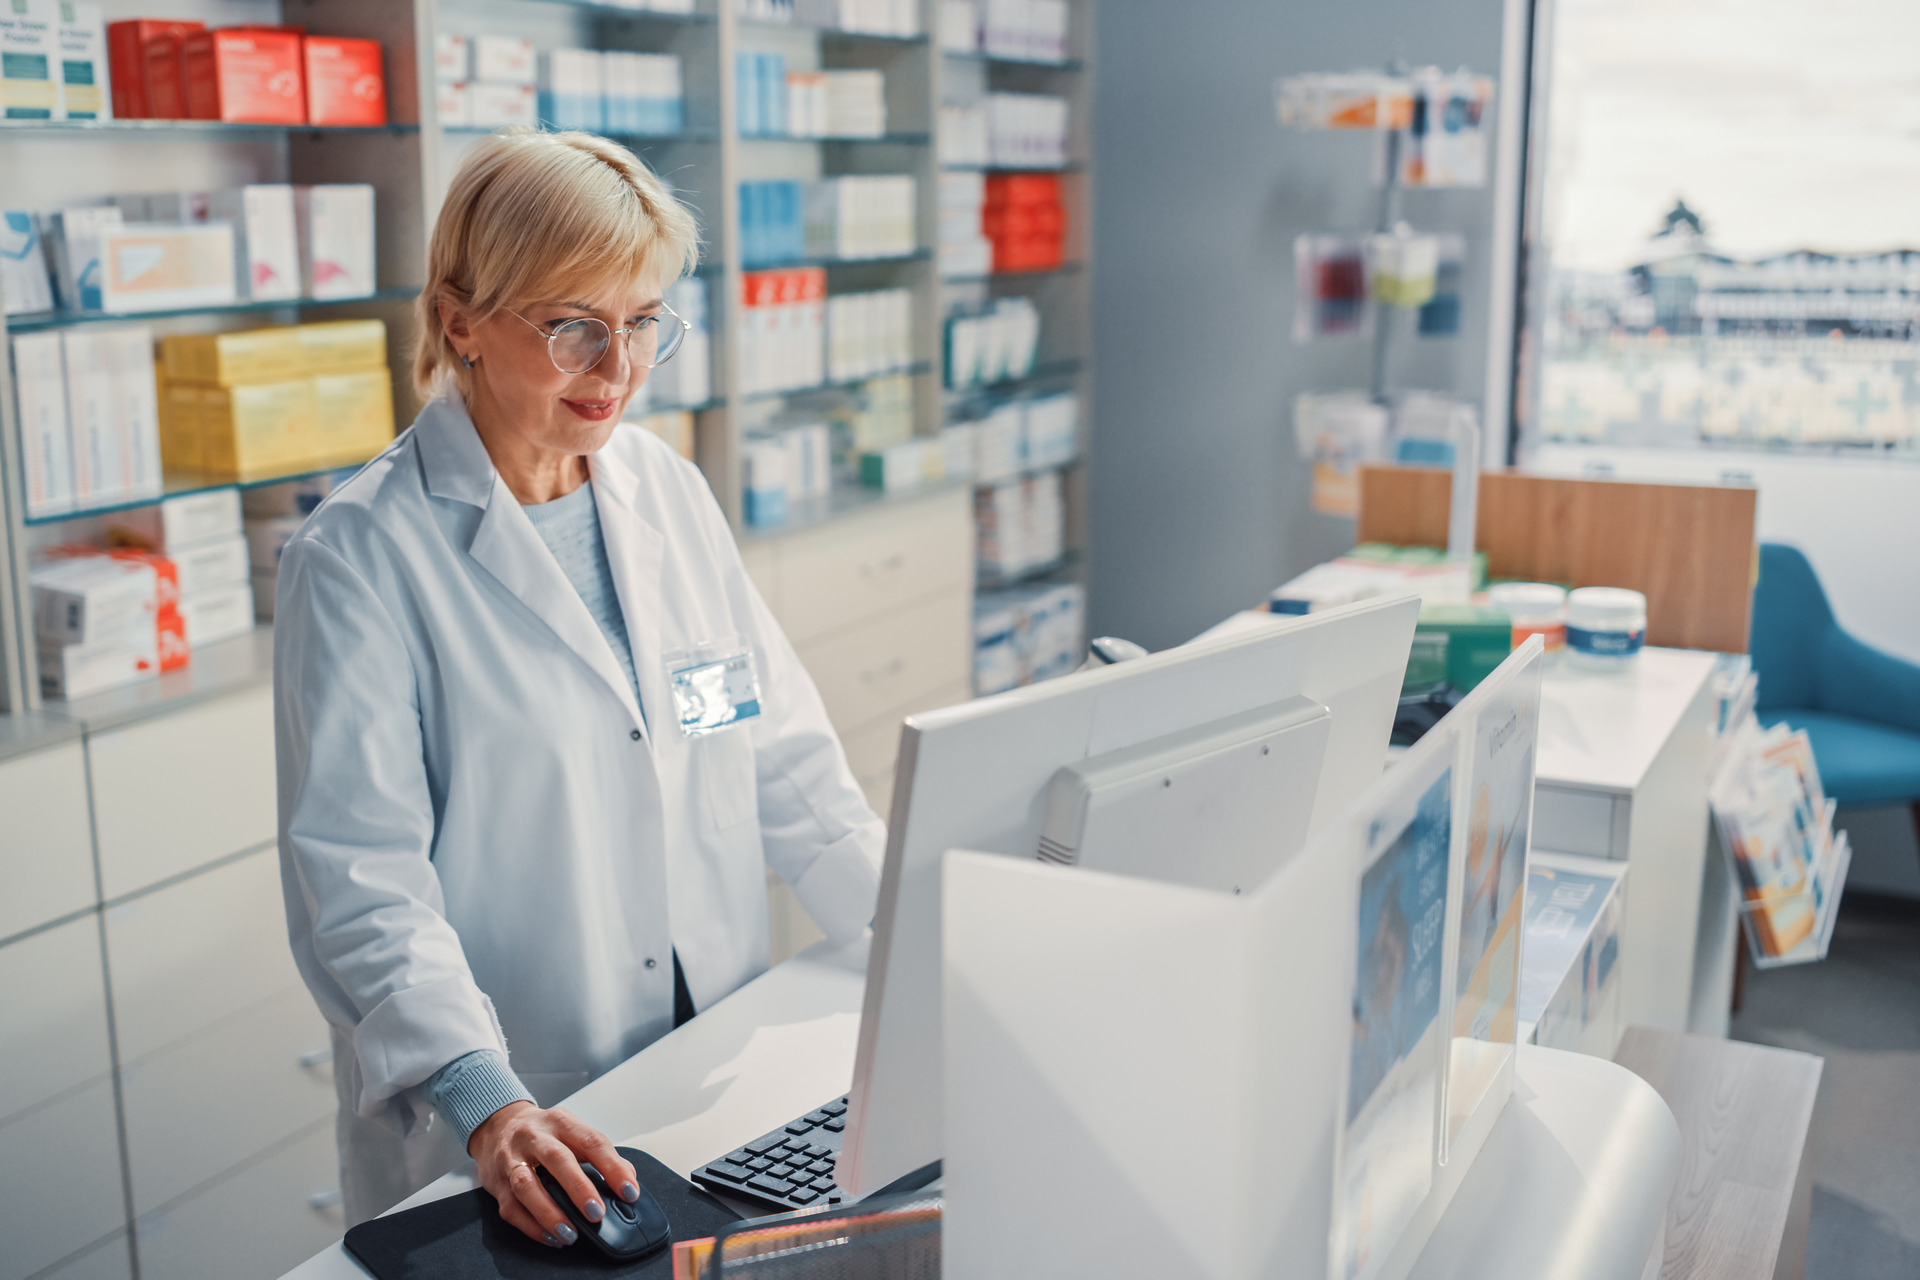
[{"x": 612, "y": 333}]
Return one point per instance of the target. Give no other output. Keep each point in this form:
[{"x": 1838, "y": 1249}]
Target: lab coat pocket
[{"x": 726, "y": 758}]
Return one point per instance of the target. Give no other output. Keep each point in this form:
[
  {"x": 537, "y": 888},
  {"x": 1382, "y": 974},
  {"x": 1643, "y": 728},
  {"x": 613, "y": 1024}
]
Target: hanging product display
[
  {"x": 1446, "y": 143},
  {"x": 1401, "y": 266},
  {"x": 1330, "y": 273}
]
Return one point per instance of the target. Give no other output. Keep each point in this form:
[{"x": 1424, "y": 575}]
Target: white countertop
[
  {"x": 777, "y": 1048},
  {"x": 1603, "y": 732}
]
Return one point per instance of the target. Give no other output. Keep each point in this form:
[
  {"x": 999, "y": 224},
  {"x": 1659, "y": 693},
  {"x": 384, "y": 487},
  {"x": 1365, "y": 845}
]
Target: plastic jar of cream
[
  {"x": 1537, "y": 609},
  {"x": 1606, "y": 626}
]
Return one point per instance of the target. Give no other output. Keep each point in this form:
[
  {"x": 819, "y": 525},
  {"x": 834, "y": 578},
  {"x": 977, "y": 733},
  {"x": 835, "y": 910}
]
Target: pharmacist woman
[{"x": 538, "y": 737}]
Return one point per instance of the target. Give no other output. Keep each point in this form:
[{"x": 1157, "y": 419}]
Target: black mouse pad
[{"x": 463, "y": 1237}]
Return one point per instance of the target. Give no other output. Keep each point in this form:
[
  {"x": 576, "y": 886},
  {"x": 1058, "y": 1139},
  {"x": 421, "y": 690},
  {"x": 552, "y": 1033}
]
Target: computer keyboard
[{"x": 789, "y": 1168}]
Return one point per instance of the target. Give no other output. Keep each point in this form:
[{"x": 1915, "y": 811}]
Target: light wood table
[{"x": 1745, "y": 1193}]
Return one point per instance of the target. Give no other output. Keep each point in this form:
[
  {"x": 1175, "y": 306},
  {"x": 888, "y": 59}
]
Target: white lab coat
[{"x": 483, "y": 844}]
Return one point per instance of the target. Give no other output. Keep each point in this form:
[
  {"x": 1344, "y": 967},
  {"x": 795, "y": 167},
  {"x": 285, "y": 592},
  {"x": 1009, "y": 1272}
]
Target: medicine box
[
  {"x": 503, "y": 60},
  {"x": 244, "y": 75},
  {"x": 94, "y": 600},
  {"x": 207, "y": 567},
  {"x": 75, "y": 234},
  {"x": 255, "y": 428},
  {"x": 352, "y": 415},
  {"x": 338, "y": 345},
  {"x": 492, "y": 105},
  {"x": 242, "y": 355},
  {"x": 100, "y": 473},
  {"x": 454, "y": 101},
  {"x": 345, "y": 83},
  {"x": 29, "y": 57},
  {"x": 335, "y": 227},
  {"x": 75, "y": 671},
  {"x": 41, "y": 390},
  {"x": 127, "y": 61},
  {"x": 25, "y": 283},
  {"x": 82, "y": 40},
  {"x": 153, "y": 267},
  {"x": 218, "y": 615},
  {"x": 452, "y": 58},
  {"x": 1458, "y": 643},
  {"x": 186, "y": 520},
  {"x": 165, "y": 76},
  {"x": 266, "y": 243}
]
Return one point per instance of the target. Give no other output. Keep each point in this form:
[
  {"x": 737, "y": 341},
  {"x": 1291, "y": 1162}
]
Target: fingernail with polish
[
  {"x": 594, "y": 1210},
  {"x": 553, "y": 1241},
  {"x": 629, "y": 1192},
  {"x": 566, "y": 1233}
]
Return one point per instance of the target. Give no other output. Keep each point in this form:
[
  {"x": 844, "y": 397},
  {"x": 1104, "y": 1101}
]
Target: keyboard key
[
  {"x": 819, "y": 1152},
  {"x": 820, "y": 1166},
  {"x": 730, "y": 1171},
  {"x": 800, "y": 1126},
  {"x": 836, "y": 1108},
  {"x": 772, "y": 1186},
  {"x": 804, "y": 1196},
  {"x": 800, "y": 1178},
  {"x": 759, "y": 1164},
  {"x": 818, "y": 1117},
  {"x": 835, "y": 1125},
  {"x": 765, "y": 1144}
]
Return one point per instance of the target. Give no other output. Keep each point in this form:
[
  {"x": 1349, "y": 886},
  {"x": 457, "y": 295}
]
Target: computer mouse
[{"x": 628, "y": 1232}]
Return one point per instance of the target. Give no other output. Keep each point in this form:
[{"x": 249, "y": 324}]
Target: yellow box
[
  {"x": 256, "y": 429},
  {"x": 180, "y": 447},
  {"x": 353, "y": 415},
  {"x": 339, "y": 345},
  {"x": 235, "y": 358}
]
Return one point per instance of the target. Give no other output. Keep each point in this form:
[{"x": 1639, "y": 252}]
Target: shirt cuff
[{"x": 472, "y": 1087}]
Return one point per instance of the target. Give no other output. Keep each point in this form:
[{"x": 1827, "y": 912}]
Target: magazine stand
[{"x": 1145, "y": 1078}]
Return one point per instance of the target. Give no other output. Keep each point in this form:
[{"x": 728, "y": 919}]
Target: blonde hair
[{"x": 532, "y": 216}]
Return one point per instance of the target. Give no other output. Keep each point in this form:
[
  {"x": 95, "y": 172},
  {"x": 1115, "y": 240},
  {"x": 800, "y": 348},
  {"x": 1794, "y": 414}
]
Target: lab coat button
[
  {"x": 635, "y": 735},
  {"x": 651, "y": 962}
]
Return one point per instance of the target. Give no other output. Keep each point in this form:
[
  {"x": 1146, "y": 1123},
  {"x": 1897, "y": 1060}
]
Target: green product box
[
  {"x": 1416, "y": 558},
  {"x": 1458, "y": 643}
]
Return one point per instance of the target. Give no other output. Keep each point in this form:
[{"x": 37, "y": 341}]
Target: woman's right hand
[{"x": 511, "y": 1142}]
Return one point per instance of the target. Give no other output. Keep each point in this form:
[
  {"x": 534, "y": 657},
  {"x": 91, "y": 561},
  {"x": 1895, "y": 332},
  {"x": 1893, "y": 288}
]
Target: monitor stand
[{"x": 1573, "y": 1182}]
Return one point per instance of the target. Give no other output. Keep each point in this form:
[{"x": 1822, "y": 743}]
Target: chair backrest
[{"x": 1791, "y": 619}]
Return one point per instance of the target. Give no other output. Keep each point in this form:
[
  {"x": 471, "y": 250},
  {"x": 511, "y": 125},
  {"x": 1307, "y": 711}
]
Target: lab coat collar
[{"x": 505, "y": 543}]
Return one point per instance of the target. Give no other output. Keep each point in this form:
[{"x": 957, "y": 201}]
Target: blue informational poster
[{"x": 1394, "y": 1067}]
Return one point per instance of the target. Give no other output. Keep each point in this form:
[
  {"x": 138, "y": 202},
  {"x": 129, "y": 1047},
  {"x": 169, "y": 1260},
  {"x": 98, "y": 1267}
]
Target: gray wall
[{"x": 1199, "y": 496}]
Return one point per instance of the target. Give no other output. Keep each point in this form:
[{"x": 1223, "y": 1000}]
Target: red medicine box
[
  {"x": 127, "y": 61},
  {"x": 345, "y": 84},
  {"x": 244, "y": 76},
  {"x": 166, "y": 93}
]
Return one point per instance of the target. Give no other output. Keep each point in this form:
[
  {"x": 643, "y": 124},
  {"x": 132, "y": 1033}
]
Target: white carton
[
  {"x": 494, "y": 105},
  {"x": 219, "y": 614},
  {"x": 335, "y": 227},
  {"x": 209, "y": 567},
  {"x": 503, "y": 59},
  {"x": 82, "y": 38},
  {"x": 455, "y": 99},
  {"x": 452, "y": 58},
  {"x": 100, "y": 473},
  {"x": 74, "y": 671},
  {"x": 179, "y": 522},
  {"x": 97, "y": 601},
  {"x": 29, "y": 57},
  {"x": 24, "y": 282},
  {"x": 41, "y": 389},
  {"x": 266, "y": 247},
  {"x": 161, "y": 266},
  {"x": 129, "y": 359},
  {"x": 76, "y": 236}
]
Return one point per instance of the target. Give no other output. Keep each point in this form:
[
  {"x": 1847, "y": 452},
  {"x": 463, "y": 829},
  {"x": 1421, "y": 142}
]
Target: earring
[{"x": 466, "y": 362}]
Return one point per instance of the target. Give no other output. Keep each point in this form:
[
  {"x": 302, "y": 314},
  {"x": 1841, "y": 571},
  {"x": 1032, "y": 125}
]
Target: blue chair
[{"x": 1859, "y": 706}]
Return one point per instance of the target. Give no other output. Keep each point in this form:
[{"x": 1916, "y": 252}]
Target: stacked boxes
[
  {"x": 875, "y": 416},
  {"x": 1018, "y": 436},
  {"x": 773, "y": 225},
  {"x": 259, "y": 401},
  {"x": 992, "y": 345},
  {"x": 831, "y": 104},
  {"x": 1026, "y": 221},
  {"x": 1026, "y": 130},
  {"x": 783, "y": 329},
  {"x": 1021, "y": 526},
  {"x": 95, "y": 623},
  {"x": 686, "y": 379},
  {"x": 53, "y": 63},
  {"x": 89, "y": 417},
  {"x": 760, "y": 95},
  {"x": 1024, "y": 30},
  {"x": 869, "y": 333},
  {"x": 962, "y": 247},
  {"x": 200, "y": 536},
  {"x": 784, "y": 467},
  {"x": 1026, "y": 635},
  {"x": 861, "y": 217},
  {"x": 573, "y": 89},
  {"x": 870, "y": 17},
  {"x": 486, "y": 81}
]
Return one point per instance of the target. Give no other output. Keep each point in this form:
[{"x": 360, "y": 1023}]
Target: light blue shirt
[{"x": 472, "y": 1087}]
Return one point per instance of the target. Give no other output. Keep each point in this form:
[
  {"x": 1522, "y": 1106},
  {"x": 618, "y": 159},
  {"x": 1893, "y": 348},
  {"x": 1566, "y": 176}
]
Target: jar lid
[
  {"x": 1599, "y": 607},
  {"x": 1528, "y": 599}
]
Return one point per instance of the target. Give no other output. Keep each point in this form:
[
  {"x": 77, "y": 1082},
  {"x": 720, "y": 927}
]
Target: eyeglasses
[{"x": 578, "y": 345}]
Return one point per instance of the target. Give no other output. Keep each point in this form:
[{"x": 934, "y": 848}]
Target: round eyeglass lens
[{"x": 579, "y": 345}]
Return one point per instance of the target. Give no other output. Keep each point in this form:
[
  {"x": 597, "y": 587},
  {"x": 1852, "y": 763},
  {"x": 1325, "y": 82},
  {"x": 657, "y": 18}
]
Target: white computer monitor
[{"x": 979, "y": 776}]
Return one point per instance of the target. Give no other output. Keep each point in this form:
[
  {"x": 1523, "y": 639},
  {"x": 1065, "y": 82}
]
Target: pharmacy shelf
[
  {"x": 634, "y": 11},
  {"x": 837, "y": 35},
  {"x": 1071, "y": 166},
  {"x": 29, "y": 321},
  {"x": 1064, "y": 269},
  {"x": 215, "y": 671},
  {"x": 1025, "y": 64},
  {"x": 844, "y": 140},
  {"x": 120, "y": 128},
  {"x": 843, "y": 384},
  {"x": 787, "y": 264},
  {"x": 1044, "y": 372},
  {"x": 178, "y": 484},
  {"x": 844, "y": 501}
]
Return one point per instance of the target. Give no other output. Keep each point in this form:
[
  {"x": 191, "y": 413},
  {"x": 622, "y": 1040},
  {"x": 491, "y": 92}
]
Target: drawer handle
[
  {"x": 316, "y": 1058},
  {"x": 324, "y": 1199},
  {"x": 874, "y": 568},
  {"x": 873, "y": 675}
]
